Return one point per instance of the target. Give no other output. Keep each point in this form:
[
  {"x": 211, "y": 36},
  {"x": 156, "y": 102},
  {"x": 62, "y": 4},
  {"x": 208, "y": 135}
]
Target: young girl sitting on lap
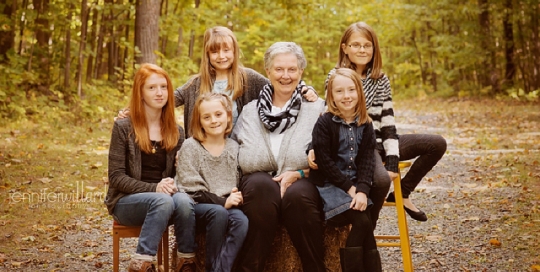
[
  {"x": 208, "y": 171},
  {"x": 344, "y": 144}
]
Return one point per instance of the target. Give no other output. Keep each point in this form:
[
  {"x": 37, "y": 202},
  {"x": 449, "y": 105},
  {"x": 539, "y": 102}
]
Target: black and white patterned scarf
[{"x": 283, "y": 120}]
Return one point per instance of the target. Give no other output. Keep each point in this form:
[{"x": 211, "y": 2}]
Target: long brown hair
[
  {"x": 195, "y": 129},
  {"x": 360, "y": 111},
  {"x": 216, "y": 38},
  {"x": 376, "y": 61},
  {"x": 169, "y": 128}
]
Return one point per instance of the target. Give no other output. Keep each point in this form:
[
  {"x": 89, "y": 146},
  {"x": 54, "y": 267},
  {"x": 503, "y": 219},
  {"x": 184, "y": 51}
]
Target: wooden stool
[
  {"x": 403, "y": 236},
  {"x": 120, "y": 231}
]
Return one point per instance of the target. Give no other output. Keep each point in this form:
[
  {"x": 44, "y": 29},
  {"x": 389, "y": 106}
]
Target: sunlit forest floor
[{"x": 482, "y": 199}]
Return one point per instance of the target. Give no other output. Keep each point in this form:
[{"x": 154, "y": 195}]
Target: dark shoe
[
  {"x": 351, "y": 259},
  {"x": 185, "y": 265},
  {"x": 419, "y": 215},
  {"x": 372, "y": 261},
  {"x": 391, "y": 198}
]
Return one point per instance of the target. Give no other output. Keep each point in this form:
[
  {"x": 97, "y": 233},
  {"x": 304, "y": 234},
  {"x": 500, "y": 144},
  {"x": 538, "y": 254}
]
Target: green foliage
[{"x": 429, "y": 48}]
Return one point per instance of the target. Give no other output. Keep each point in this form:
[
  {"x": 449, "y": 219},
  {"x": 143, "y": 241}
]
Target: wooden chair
[
  {"x": 403, "y": 237},
  {"x": 121, "y": 231}
]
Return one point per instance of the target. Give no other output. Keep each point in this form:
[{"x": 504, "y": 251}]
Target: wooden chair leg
[
  {"x": 116, "y": 252},
  {"x": 402, "y": 226},
  {"x": 165, "y": 245},
  {"x": 403, "y": 237}
]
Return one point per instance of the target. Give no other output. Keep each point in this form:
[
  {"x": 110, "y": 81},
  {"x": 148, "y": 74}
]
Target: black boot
[
  {"x": 372, "y": 260},
  {"x": 352, "y": 259}
]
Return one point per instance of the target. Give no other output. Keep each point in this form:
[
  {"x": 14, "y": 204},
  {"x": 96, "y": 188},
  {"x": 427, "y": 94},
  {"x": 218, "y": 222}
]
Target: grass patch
[{"x": 49, "y": 175}]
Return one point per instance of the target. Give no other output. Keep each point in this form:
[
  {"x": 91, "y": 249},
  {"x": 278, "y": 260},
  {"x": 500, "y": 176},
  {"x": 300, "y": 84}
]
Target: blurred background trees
[{"x": 76, "y": 57}]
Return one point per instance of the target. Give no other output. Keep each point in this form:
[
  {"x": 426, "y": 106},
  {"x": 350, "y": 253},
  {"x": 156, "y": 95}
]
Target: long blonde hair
[
  {"x": 216, "y": 38},
  {"x": 169, "y": 128},
  {"x": 195, "y": 129},
  {"x": 376, "y": 61},
  {"x": 360, "y": 111}
]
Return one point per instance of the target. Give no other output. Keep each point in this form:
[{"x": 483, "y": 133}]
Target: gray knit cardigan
[
  {"x": 125, "y": 164},
  {"x": 255, "y": 154},
  {"x": 187, "y": 94},
  {"x": 198, "y": 170}
]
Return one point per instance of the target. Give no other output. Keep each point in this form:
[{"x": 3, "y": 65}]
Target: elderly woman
[{"x": 274, "y": 133}]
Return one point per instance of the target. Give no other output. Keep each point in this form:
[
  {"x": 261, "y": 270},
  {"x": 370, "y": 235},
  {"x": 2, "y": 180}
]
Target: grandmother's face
[{"x": 284, "y": 73}]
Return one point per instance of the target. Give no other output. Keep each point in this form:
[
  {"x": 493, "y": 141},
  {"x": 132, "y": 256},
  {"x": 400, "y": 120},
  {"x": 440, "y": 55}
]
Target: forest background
[{"x": 74, "y": 59}]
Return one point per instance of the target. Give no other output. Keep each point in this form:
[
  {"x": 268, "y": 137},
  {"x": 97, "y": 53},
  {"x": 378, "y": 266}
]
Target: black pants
[
  {"x": 428, "y": 149},
  {"x": 361, "y": 234},
  {"x": 300, "y": 211}
]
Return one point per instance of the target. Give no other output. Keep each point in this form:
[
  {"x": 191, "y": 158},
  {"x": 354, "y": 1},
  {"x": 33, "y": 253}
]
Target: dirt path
[{"x": 480, "y": 218}]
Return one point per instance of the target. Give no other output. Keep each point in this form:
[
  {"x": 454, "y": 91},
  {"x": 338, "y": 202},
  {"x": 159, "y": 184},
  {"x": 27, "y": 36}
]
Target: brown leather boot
[
  {"x": 185, "y": 265},
  {"x": 141, "y": 266}
]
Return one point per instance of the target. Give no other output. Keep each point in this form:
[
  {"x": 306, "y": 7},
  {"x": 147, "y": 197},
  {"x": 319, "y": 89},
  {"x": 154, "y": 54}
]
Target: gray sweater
[
  {"x": 125, "y": 164},
  {"x": 255, "y": 154},
  {"x": 187, "y": 94},
  {"x": 198, "y": 170}
]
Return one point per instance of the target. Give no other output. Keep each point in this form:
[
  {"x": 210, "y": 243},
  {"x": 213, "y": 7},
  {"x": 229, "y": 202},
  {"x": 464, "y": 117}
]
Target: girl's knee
[
  {"x": 240, "y": 222},
  {"x": 440, "y": 144},
  {"x": 183, "y": 203},
  {"x": 163, "y": 202},
  {"x": 183, "y": 199},
  {"x": 219, "y": 213}
]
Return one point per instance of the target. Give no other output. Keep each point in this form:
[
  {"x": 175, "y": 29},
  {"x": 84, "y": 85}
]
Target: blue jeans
[
  {"x": 225, "y": 234},
  {"x": 154, "y": 212}
]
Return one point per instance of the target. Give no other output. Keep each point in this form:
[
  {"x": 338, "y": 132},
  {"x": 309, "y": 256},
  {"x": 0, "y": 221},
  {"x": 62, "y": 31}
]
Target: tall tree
[
  {"x": 109, "y": 31},
  {"x": 192, "y": 35},
  {"x": 43, "y": 34},
  {"x": 489, "y": 77},
  {"x": 7, "y": 33},
  {"x": 67, "y": 65},
  {"x": 147, "y": 29},
  {"x": 92, "y": 42},
  {"x": 509, "y": 44},
  {"x": 82, "y": 45}
]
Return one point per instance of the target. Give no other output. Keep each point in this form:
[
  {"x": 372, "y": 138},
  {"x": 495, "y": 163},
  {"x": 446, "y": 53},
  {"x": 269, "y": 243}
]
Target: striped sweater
[{"x": 380, "y": 108}]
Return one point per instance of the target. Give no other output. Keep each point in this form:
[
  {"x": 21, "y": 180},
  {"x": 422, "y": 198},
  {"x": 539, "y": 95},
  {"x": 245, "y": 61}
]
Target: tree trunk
[
  {"x": 99, "y": 48},
  {"x": 510, "y": 68},
  {"x": 126, "y": 49},
  {"x": 192, "y": 35},
  {"x": 164, "y": 39},
  {"x": 535, "y": 27},
  {"x": 42, "y": 24},
  {"x": 82, "y": 44},
  {"x": 7, "y": 34},
  {"x": 147, "y": 30},
  {"x": 67, "y": 65},
  {"x": 42, "y": 30},
  {"x": 483, "y": 19},
  {"x": 180, "y": 41},
  {"x": 22, "y": 28},
  {"x": 488, "y": 71},
  {"x": 111, "y": 42},
  {"x": 413, "y": 38},
  {"x": 92, "y": 44}
]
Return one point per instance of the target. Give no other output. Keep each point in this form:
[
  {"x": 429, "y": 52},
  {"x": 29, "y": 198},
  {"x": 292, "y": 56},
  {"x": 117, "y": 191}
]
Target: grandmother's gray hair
[{"x": 284, "y": 48}]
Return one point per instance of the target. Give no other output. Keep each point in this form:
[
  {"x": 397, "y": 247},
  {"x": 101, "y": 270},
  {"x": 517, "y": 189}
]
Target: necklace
[{"x": 154, "y": 146}]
